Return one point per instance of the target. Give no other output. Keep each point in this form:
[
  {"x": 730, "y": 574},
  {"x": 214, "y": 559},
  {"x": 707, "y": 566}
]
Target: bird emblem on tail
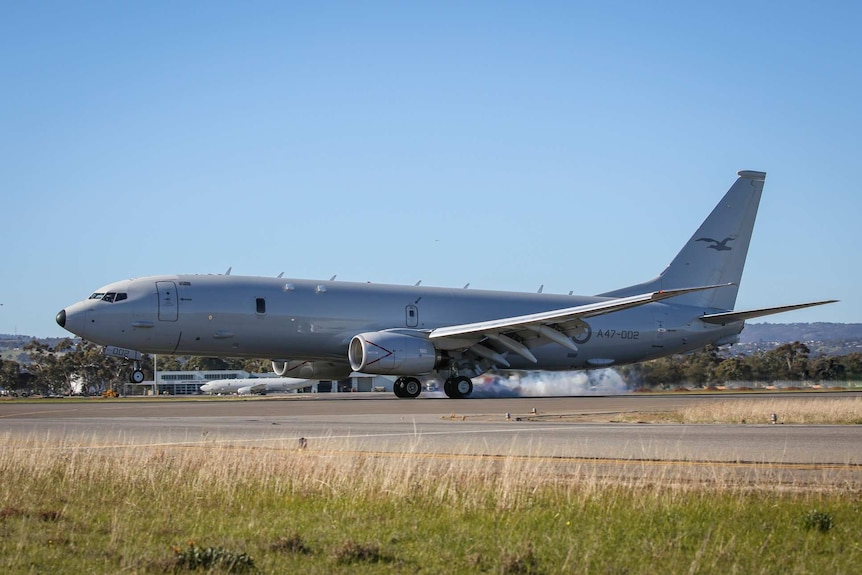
[{"x": 719, "y": 246}]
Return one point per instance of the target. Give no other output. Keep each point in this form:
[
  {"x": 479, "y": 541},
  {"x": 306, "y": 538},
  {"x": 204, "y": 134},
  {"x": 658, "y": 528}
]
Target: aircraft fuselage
[{"x": 233, "y": 316}]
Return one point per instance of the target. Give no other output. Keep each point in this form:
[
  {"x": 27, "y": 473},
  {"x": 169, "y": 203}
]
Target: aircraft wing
[
  {"x": 732, "y": 316},
  {"x": 535, "y": 329}
]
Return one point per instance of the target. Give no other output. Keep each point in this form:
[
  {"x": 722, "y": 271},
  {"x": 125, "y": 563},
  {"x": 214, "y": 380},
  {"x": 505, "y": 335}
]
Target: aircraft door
[
  {"x": 167, "y": 301},
  {"x": 412, "y": 315}
]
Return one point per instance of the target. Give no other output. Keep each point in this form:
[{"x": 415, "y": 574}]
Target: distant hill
[
  {"x": 789, "y": 332},
  {"x": 12, "y": 346},
  {"x": 9, "y": 341},
  {"x": 821, "y": 338}
]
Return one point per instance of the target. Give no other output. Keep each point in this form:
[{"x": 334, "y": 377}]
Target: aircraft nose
[{"x": 61, "y": 318}]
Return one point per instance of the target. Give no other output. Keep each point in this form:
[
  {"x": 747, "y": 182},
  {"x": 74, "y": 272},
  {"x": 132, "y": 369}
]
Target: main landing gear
[
  {"x": 408, "y": 387},
  {"x": 456, "y": 387}
]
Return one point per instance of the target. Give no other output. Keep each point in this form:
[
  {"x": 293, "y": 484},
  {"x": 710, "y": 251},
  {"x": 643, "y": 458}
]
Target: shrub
[
  {"x": 353, "y": 552},
  {"x": 194, "y": 557},
  {"x": 523, "y": 562},
  {"x": 819, "y": 520},
  {"x": 291, "y": 544}
]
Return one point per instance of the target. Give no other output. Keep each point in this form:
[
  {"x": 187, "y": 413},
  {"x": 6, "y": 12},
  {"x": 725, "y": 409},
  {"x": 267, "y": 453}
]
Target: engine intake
[{"x": 391, "y": 353}]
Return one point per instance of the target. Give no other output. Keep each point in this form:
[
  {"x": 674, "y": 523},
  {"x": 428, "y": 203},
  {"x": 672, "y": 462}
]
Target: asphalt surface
[{"x": 575, "y": 433}]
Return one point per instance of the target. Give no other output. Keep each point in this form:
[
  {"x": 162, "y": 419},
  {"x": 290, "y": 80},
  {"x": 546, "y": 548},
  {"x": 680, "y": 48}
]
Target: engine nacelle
[
  {"x": 391, "y": 353},
  {"x": 310, "y": 369}
]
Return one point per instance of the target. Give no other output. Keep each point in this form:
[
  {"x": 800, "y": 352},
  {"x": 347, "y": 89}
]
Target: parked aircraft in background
[
  {"x": 326, "y": 329},
  {"x": 254, "y": 385}
]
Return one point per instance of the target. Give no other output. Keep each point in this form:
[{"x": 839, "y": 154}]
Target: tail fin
[{"x": 716, "y": 252}]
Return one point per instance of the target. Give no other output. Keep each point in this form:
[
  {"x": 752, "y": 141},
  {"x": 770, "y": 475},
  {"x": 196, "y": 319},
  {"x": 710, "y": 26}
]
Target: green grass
[{"x": 157, "y": 510}]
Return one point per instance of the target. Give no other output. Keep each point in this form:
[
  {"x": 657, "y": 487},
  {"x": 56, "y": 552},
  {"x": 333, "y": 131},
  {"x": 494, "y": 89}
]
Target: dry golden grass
[{"x": 789, "y": 410}]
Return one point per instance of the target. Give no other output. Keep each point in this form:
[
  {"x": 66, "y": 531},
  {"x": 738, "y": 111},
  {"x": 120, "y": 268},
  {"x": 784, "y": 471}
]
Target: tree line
[
  {"x": 57, "y": 370},
  {"x": 711, "y": 366}
]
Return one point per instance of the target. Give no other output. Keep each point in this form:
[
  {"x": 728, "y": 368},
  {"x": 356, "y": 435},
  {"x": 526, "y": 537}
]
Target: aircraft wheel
[
  {"x": 398, "y": 387},
  {"x": 458, "y": 387},
  {"x": 448, "y": 388},
  {"x": 412, "y": 387},
  {"x": 137, "y": 376},
  {"x": 462, "y": 386}
]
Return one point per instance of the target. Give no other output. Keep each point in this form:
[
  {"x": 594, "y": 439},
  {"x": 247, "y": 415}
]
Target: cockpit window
[{"x": 110, "y": 297}]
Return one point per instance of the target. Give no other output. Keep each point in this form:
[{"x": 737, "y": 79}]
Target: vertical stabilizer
[{"x": 716, "y": 252}]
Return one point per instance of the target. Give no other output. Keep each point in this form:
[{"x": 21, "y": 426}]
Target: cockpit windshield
[{"x": 110, "y": 297}]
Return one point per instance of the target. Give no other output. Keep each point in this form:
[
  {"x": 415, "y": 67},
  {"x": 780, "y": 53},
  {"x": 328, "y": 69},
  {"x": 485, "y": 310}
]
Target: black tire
[
  {"x": 412, "y": 387},
  {"x": 137, "y": 376},
  {"x": 462, "y": 386},
  {"x": 458, "y": 387},
  {"x": 398, "y": 387},
  {"x": 448, "y": 388}
]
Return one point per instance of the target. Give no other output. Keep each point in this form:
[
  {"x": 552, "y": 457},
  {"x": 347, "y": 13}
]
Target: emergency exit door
[{"x": 167, "y": 301}]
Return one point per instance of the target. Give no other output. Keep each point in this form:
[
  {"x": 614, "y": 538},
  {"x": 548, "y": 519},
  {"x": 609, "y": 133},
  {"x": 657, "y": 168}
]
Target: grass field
[{"x": 66, "y": 509}]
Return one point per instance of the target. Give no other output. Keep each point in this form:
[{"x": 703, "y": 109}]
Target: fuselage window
[
  {"x": 261, "y": 305},
  {"x": 121, "y": 296},
  {"x": 109, "y": 297},
  {"x": 97, "y": 295}
]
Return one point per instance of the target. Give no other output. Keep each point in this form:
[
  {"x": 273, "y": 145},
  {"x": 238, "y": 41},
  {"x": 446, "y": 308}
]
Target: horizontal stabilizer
[{"x": 733, "y": 316}]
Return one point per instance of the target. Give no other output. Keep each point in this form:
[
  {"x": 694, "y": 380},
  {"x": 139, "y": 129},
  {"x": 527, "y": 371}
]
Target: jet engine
[{"x": 392, "y": 353}]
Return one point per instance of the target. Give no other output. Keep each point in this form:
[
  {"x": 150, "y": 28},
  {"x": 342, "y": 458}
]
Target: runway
[{"x": 575, "y": 434}]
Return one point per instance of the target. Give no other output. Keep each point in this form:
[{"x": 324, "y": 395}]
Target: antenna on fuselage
[
  {"x": 281, "y": 274},
  {"x": 227, "y": 273}
]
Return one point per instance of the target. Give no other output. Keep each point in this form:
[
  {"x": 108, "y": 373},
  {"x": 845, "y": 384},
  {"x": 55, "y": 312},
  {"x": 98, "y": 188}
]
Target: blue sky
[{"x": 507, "y": 145}]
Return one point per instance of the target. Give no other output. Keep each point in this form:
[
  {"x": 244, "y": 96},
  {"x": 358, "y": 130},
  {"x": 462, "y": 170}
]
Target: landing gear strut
[
  {"x": 407, "y": 387},
  {"x": 458, "y": 387}
]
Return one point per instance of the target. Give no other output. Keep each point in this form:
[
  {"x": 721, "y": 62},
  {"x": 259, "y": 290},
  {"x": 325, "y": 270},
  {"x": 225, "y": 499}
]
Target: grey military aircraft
[
  {"x": 254, "y": 385},
  {"x": 328, "y": 329}
]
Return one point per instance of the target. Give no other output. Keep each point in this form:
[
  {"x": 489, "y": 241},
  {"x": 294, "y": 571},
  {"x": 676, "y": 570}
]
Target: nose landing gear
[{"x": 137, "y": 374}]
